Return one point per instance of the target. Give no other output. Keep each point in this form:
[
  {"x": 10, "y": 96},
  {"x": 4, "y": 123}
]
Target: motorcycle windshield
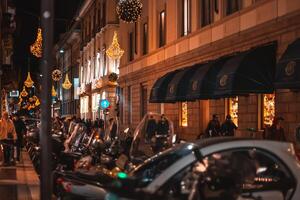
[{"x": 154, "y": 134}]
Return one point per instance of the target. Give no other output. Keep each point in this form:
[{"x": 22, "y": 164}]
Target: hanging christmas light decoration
[
  {"x": 129, "y": 10},
  {"x": 114, "y": 51},
  {"x": 53, "y": 91},
  {"x": 37, "y": 102},
  {"x": 24, "y": 93},
  {"x": 36, "y": 47},
  {"x": 67, "y": 84},
  {"x": 56, "y": 75},
  {"x": 28, "y": 83}
]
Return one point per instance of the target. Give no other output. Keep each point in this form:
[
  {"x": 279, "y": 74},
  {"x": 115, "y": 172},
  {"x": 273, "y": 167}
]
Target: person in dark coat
[
  {"x": 213, "y": 127},
  {"x": 228, "y": 127},
  {"x": 276, "y": 131},
  {"x": 151, "y": 128},
  {"x": 163, "y": 126},
  {"x": 112, "y": 128},
  {"x": 20, "y": 130}
]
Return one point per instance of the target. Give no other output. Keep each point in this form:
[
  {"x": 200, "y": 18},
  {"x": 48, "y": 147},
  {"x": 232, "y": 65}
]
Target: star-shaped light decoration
[{"x": 56, "y": 75}]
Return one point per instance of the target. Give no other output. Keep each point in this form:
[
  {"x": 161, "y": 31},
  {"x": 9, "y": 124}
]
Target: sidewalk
[{"x": 19, "y": 182}]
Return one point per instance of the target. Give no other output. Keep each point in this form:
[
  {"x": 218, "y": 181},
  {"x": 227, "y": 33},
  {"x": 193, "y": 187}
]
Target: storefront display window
[
  {"x": 268, "y": 109},
  {"x": 184, "y": 114},
  {"x": 233, "y": 108}
]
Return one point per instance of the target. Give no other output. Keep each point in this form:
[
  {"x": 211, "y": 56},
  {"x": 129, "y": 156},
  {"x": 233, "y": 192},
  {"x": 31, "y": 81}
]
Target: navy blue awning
[
  {"x": 248, "y": 72},
  {"x": 288, "y": 68},
  {"x": 159, "y": 89}
]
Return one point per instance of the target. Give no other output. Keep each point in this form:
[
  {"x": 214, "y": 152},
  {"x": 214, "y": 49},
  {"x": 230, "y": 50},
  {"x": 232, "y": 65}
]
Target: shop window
[
  {"x": 233, "y": 6},
  {"x": 233, "y": 107},
  {"x": 268, "y": 109},
  {"x": 186, "y": 17},
  {"x": 184, "y": 114},
  {"x": 145, "y": 38},
  {"x": 206, "y": 12},
  {"x": 162, "y": 28}
]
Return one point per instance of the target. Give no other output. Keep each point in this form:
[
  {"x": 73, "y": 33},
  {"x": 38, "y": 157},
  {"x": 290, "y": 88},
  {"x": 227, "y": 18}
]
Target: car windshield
[{"x": 154, "y": 166}]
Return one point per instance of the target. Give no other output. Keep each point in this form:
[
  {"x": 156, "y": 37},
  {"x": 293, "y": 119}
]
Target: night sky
[{"x": 27, "y": 19}]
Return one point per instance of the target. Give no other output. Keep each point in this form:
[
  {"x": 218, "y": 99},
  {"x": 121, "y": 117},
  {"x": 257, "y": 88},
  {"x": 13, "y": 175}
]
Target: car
[{"x": 216, "y": 169}]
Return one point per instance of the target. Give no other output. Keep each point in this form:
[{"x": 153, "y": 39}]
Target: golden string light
[
  {"x": 24, "y": 93},
  {"x": 28, "y": 83},
  {"x": 36, "y": 47},
  {"x": 53, "y": 91},
  {"x": 67, "y": 84},
  {"x": 114, "y": 51},
  {"x": 129, "y": 10}
]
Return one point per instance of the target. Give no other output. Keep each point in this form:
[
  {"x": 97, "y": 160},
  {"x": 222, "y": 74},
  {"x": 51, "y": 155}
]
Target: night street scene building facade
[
  {"x": 173, "y": 35},
  {"x": 153, "y": 99}
]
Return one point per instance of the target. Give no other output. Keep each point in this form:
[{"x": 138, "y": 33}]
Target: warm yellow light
[
  {"x": 114, "y": 51},
  {"x": 233, "y": 109},
  {"x": 67, "y": 84},
  {"x": 53, "y": 92},
  {"x": 37, "y": 102},
  {"x": 24, "y": 93},
  {"x": 269, "y": 109},
  {"x": 184, "y": 114},
  {"x": 36, "y": 47},
  {"x": 28, "y": 83}
]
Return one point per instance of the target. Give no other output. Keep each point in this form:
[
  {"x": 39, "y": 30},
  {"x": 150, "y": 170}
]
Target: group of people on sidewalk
[
  {"x": 228, "y": 127},
  {"x": 157, "y": 128},
  {"x": 12, "y": 132}
]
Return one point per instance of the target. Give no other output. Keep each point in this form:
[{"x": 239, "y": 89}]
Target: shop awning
[
  {"x": 202, "y": 83},
  {"x": 247, "y": 72},
  {"x": 178, "y": 86},
  {"x": 288, "y": 68},
  {"x": 159, "y": 89}
]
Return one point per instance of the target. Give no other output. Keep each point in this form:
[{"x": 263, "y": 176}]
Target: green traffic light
[{"x": 122, "y": 175}]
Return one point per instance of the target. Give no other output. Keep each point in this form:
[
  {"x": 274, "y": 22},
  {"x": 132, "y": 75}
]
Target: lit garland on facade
[
  {"x": 114, "y": 51},
  {"x": 67, "y": 84},
  {"x": 36, "y": 47},
  {"x": 129, "y": 10},
  {"x": 28, "y": 83}
]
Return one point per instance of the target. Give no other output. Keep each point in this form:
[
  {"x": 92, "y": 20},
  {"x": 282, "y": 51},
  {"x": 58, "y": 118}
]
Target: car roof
[{"x": 217, "y": 140}]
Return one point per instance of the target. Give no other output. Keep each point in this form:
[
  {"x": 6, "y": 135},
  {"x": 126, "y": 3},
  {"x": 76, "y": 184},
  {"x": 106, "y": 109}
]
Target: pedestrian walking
[
  {"x": 112, "y": 128},
  {"x": 276, "y": 131},
  {"x": 20, "y": 131},
  {"x": 228, "y": 127},
  {"x": 213, "y": 127},
  {"x": 7, "y": 137}
]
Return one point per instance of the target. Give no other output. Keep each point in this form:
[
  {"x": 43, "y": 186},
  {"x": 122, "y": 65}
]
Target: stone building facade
[
  {"x": 99, "y": 21},
  {"x": 67, "y": 52},
  {"x": 173, "y": 34}
]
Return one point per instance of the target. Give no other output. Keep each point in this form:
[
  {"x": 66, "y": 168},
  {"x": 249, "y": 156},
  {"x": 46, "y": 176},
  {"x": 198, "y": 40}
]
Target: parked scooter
[{"x": 89, "y": 183}]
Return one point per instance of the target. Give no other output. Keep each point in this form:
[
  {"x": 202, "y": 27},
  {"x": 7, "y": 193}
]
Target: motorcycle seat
[{"x": 94, "y": 176}]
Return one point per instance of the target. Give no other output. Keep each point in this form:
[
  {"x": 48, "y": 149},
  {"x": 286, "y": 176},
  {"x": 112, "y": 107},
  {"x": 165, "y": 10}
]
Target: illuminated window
[
  {"x": 268, "y": 109},
  {"x": 186, "y": 25},
  {"x": 184, "y": 114},
  {"x": 233, "y": 107},
  {"x": 162, "y": 28}
]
